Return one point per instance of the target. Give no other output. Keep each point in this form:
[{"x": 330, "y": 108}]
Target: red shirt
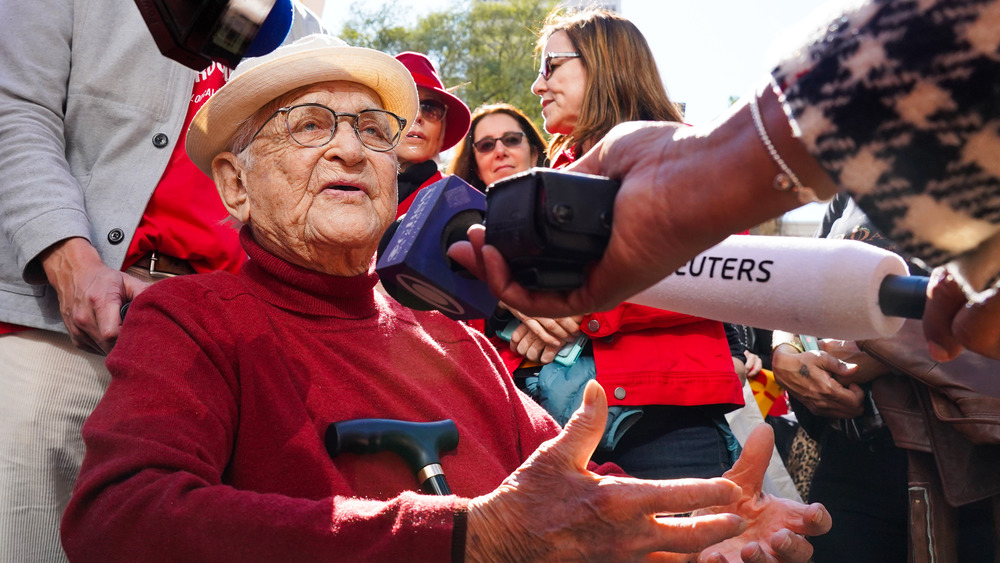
[{"x": 185, "y": 217}]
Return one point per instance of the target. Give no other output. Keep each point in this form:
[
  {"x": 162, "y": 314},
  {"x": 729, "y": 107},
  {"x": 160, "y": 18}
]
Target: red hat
[{"x": 459, "y": 117}]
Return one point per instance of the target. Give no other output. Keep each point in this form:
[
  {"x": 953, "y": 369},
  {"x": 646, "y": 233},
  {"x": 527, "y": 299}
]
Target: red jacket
[{"x": 647, "y": 356}]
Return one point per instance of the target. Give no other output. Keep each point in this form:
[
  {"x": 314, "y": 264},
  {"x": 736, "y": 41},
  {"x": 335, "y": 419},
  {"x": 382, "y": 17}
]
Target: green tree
[{"x": 484, "y": 49}]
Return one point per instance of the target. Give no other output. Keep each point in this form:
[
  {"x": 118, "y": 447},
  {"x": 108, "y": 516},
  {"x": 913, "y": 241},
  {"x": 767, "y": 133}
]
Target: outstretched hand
[
  {"x": 553, "y": 508},
  {"x": 773, "y": 523}
]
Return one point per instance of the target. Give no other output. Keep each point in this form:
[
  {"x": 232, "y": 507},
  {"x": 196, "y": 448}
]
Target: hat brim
[
  {"x": 216, "y": 122},
  {"x": 457, "y": 120}
]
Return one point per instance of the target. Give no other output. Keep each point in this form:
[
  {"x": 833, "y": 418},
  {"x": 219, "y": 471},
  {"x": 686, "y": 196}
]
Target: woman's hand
[
  {"x": 847, "y": 351},
  {"x": 814, "y": 378},
  {"x": 539, "y": 339}
]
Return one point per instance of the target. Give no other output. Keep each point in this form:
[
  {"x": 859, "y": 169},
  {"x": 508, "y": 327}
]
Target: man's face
[{"x": 324, "y": 208}]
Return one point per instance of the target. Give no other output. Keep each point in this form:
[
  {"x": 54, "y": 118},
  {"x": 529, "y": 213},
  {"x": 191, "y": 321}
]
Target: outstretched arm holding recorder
[{"x": 930, "y": 185}]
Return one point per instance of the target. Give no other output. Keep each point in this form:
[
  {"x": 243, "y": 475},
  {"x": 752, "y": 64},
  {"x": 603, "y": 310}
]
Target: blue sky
[{"x": 706, "y": 50}]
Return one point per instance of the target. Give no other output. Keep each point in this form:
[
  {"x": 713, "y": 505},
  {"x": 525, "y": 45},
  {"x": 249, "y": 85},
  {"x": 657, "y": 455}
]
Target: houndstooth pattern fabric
[{"x": 900, "y": 102}]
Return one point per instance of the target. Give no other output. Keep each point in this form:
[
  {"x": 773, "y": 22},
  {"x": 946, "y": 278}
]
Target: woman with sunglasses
[
  {"x": 676, "y": 370},
  {"x": 443, "y": 121},
  {"x": 502, "y": 141}
]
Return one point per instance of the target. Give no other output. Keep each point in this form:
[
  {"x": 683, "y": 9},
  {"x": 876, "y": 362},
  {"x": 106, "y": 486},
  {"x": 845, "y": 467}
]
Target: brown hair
[
  {"x": 463, "y": 163},
  {"x": 623, "y": 83}
]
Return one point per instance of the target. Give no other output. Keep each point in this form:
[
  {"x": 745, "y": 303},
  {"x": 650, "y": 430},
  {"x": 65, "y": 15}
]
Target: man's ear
[{"x": 230, "y": 180}]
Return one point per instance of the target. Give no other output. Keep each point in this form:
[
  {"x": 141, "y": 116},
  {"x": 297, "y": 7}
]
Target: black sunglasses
[
  {"x": 432, "y": 110},
  {"x": 509, "y": 139},
  {"x": 548, "y": 68}
]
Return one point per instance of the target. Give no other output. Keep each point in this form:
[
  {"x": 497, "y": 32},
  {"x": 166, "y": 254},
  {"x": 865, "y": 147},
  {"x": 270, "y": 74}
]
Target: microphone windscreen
[
  {"x": 823, "y": 287},
  {"x": 273, "y": 31}
]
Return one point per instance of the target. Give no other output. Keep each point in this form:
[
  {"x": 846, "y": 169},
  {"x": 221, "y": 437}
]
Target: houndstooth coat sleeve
[{"x": 900, "y": 101}]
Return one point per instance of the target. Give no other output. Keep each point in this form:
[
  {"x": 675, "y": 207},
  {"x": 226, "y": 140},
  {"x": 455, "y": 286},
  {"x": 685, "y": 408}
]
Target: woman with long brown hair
[{"x": 670, "y": 376}]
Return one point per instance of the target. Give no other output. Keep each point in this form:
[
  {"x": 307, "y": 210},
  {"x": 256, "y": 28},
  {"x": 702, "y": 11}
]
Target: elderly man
[{"x": 208, "y": 445}]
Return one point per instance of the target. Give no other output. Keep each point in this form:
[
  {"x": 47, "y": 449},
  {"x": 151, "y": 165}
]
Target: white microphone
[{"x": 828, "y": 288}]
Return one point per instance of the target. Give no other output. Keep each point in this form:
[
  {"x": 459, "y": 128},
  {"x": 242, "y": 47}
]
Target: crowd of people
[{"x": 194, "y": 426}]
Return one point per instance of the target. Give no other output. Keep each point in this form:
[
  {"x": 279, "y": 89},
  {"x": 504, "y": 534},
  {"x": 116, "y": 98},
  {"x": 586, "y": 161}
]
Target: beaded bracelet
[{"x": 786, "y": 180}]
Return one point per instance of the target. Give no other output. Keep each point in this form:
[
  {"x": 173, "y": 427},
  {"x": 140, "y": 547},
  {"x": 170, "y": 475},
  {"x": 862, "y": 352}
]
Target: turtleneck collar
[
  {"x": 413, "y": 177},
  {"x": 302, "y": 290}
]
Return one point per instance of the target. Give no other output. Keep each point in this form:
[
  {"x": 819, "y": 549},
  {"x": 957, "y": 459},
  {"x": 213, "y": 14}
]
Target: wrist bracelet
[
  {"x": 786, "y": 180},
  {"x": 793, "y": 343}
]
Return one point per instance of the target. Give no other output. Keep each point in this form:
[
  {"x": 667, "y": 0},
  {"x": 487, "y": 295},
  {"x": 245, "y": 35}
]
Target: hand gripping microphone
[
  {"x": 197, "y": 32},
  {"x": 834, "y": 288},
  {"x": 549, "y": 225},
  {"x": 413, "y": 265},
  {"x": 554, "y": 223}
]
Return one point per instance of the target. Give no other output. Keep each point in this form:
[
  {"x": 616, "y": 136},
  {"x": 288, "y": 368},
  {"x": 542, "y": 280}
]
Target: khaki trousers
[{"x": 48, "y": 387}]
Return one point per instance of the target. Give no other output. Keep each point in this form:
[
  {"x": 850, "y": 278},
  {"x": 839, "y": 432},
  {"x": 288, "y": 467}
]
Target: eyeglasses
[
  {"x": 509, "y": 139},
  {"x": 547, "y": 67},
  {"x": 432, "y": 110},
  {"x": 314, "y": 125}
]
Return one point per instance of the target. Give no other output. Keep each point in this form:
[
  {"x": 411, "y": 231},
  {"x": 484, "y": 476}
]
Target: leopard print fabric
[
  {"x": 803, "y": 457},
  {"x": 899, "y": 100}
]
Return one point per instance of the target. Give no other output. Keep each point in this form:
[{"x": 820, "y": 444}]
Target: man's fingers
[
  {"x": 584, "y": 430},
  {"x": 790, "y": 547},
  {"x": 109, "y": 322},
  {"x": 678, "y": 496},
  {"x": 749, "y": 469},
  {"x": 692, "y": 534}
]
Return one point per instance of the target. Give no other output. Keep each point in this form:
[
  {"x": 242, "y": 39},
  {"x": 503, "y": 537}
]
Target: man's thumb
[{"x": 584, "y": 430}]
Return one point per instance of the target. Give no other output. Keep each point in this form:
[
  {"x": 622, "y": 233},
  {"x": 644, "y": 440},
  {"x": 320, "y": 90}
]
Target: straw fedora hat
[
  {"x": 459, "y": 117},
  {"x": 314, "y": 58}
]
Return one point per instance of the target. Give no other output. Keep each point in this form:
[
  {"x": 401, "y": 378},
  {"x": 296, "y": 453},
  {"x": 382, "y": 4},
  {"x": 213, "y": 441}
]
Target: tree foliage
[{"x": 484, "y": 49}]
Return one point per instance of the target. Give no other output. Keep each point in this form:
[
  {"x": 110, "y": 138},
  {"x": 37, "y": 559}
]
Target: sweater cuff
[{"x": 458, "y": 533}]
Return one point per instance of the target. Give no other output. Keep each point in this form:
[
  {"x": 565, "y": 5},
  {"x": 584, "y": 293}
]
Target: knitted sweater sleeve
[
  {"x": 155, "y": 485},
  {"x": 897, "y": 99}
]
